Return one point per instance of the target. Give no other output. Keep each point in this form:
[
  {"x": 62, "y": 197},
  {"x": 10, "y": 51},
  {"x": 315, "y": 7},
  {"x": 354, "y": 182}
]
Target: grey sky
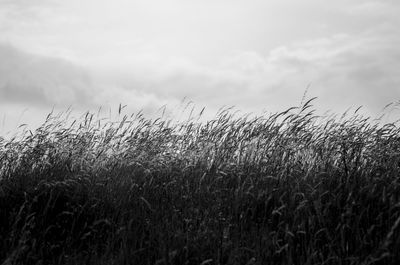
[{"x": 257, "y": 54}]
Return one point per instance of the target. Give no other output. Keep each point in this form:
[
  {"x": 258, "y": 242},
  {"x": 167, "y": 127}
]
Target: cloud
[
  {"x": 24, "y": 11},
  {"x": 375, "y": 9},
  {"x": 31, "y": 85},
  {"x": 352, "y": 70},
  {"x": 256, "y": 57},
  {"x": 41, "y": 81},
  {"x": 344, "y": 71}
]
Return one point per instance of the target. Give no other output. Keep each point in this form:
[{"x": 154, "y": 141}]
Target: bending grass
[{"x": 288, "y": 188}]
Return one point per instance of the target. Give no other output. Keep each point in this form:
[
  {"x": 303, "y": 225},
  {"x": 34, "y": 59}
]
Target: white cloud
[
  {"x": 32, "y": 85},
  {"x": 344, "y": 71},
  {"x": 42, "y": 81},
  {"x": 375, "y": 9},
  {"x": 146, "y": 53},
  {"x": 347, "y": 70}
]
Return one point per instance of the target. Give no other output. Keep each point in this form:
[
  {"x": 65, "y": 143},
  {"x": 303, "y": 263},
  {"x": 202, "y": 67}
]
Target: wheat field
[{"x": 285, "y": 188}]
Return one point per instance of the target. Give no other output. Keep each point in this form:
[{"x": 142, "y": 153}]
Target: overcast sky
[{"x": 254, "y": 54}]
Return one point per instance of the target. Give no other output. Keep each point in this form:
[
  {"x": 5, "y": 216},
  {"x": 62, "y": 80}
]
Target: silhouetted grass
[{"x": 286, "y": 188}]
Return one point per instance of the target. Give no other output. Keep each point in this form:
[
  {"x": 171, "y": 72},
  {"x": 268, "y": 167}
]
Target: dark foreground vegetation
[{"x": 287, "y": 188}]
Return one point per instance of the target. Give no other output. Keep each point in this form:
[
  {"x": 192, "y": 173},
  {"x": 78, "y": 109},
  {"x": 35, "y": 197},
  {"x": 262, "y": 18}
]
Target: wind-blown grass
[{"x": 285, "y": 188}]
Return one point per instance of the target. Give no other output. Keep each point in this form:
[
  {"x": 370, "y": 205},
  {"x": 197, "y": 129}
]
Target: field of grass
[{"x": 285, "y": 188}]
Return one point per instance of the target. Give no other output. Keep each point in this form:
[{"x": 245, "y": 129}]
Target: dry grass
[{"x": 288, "y": 188}]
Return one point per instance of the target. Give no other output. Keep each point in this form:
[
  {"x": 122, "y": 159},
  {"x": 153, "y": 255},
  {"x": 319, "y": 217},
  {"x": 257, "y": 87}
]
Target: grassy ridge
[{"x": 288, "y": 188}]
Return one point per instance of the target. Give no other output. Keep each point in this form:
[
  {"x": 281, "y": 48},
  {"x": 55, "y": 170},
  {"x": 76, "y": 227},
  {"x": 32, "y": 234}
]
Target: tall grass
[{"x": 284, "y": 188}]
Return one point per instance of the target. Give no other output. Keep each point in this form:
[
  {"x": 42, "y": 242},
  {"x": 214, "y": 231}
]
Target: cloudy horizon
[{"x": 254, "y": 55}]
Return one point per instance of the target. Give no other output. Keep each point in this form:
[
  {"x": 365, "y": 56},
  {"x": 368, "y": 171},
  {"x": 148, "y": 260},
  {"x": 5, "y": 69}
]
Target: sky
[{"x": 256, "y": 55}]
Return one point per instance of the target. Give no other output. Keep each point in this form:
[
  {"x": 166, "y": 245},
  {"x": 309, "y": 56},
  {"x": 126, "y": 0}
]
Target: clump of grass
[{"x": 284, "y": 188}]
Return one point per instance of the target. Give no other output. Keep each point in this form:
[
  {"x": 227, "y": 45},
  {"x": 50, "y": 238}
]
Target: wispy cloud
[
  {"x": 348, "y": 51},
  {"x": 344, "y": 70},
  {"x": 349, "y": 70}
]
